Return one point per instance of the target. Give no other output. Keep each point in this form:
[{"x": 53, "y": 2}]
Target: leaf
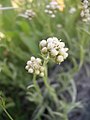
[
  {"x": 38, "y": 112},
  {"x": 30, "y": 43}
]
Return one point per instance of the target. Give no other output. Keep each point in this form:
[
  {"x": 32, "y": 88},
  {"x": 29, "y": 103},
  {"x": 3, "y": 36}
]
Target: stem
[
  {"x": 7, "y": 113},
  {"x": 50, "y": 89},
  {"x": 8, "y": 8},
  {"x": 66, "y": 118},
  {"x": 45, "y": 77},
  {"x": 36, "y": 86},
  {"x": 74, "y": 94}
]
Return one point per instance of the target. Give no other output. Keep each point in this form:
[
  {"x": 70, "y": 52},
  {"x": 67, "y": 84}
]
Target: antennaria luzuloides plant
[
  {"x": 23, "y": 37},
  {"x": 46, "y": 95}
]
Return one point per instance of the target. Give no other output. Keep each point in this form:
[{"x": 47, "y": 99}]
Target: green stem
[
  {"x": 66, "y": 118},
  {"x": 50, "y": 89},
  {"x": 46, "y": 74},
  {"x": 36, "y": 86},
  {"x": 7, "y": 113}
]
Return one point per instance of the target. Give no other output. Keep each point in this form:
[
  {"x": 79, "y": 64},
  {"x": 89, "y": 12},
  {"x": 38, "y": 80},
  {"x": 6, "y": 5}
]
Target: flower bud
[
  {"x": 32, "y": 58},
  {"x": 38, "y": 60},
  {"x": 2, "y": 35},
  {"x": 53, "y": 16},
  {"x": 65, "y": 55},
  {"x": 42, "y": 74},
  {"x": 60, "y": 59},
  {"x": 37, "y": 72},
  {"x": 61, "y": 44},
  {"x": 44, "y": 50},
  {"x": 27, "y": 67},
  {"x": 62, "y": 51},
  {"x": 49, "y": 40},
  {"x": 50, "y": 46},
  {"x": 54, "y": 52},
  {"x": 55, "y": 39},
  {"x": 43, "y": 43},
  {"x": 29, "y": 62},
  {"x": 30, "y": 70},
  {"x": 66, "y": 49},
  {"x": 42, "y": 69}
]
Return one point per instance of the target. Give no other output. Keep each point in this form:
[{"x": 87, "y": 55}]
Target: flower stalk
[
  {"x": 45, "y": 78},
  {"x": 36, "y": 86},
  {"x": 2, "y": 104}
]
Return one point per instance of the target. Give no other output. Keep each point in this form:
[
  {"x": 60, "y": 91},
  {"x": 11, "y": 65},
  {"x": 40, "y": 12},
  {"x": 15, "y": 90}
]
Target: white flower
[
  {"x": 49, "y": 40},
  {"x": 44, "y": 50},
  {"x": 66, "y": 49},
  {"x": 2, "y": 36},
  {"x": 47, "y": 6},
  {"x": 29, "y": 62},
  {"x": 53, "y": 15},
  {"x": 50, "y": 12},
  {"x": 27, "y": 67},
  {"x": 50, "y": 45},
  {"x": 30, "y": 70},
  {"x": 41, "y": 74},
  {"x": 32, "y": 58},
  {"x": 54, "y": 52},
  {"x": 59, "y": 59},
  {"x": 42, "y": 69},
  {"x": 37, "y": 72},
  {"x": 82, "y": 13},
  {"x": 62, "y": 50},
  {"x": 65, "y": 55},
  {"x": 61, "y": 44},
  {"x": 43, "y": 43},
  {"x": 38, "y": 60},
  {"x": 72, "y": 10},
  {"x": 55, "y": 39}
]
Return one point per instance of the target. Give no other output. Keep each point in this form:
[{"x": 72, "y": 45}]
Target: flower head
[
  {"x": 54, "y": 48},
  {"x": 29, "y": 14},
  {"x": 85, "y": 13},
  {"x": 54, "y": 6},
  {"x": 34, "y": 65}
]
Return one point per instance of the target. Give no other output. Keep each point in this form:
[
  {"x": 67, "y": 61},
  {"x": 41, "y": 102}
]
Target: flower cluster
[
  {"x": 85, "y": 13},
  {"x": 34, "y": 65},
  {"x": 54, "y": 48},
  {"x": 54, "y": 6},
  {"x": 29, "y": 14}
]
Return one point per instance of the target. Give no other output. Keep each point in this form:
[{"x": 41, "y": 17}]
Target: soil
[{"x": 82, "y": 80}]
